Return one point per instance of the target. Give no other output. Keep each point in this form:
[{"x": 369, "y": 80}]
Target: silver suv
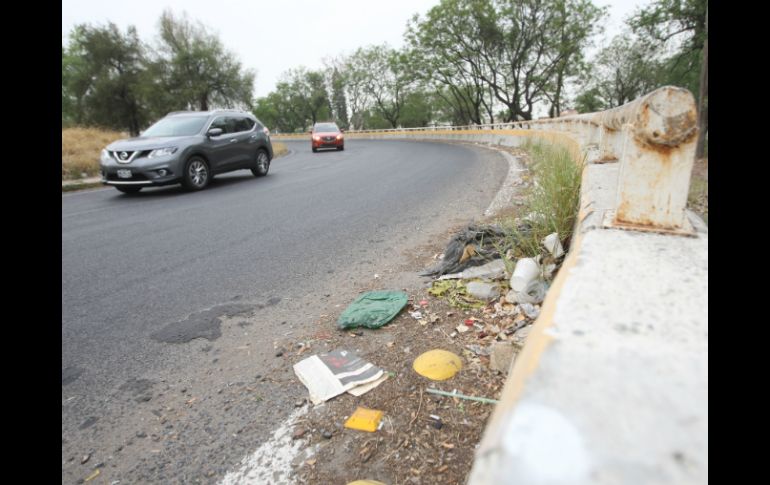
[{"x": 188, "y": 147}]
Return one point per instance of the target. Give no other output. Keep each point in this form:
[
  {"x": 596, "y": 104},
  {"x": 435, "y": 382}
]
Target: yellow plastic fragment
[
  {"x": 93, "y": 475},
  {"x": 437, "y": 365},
  {"x": 364, "y": 419}
]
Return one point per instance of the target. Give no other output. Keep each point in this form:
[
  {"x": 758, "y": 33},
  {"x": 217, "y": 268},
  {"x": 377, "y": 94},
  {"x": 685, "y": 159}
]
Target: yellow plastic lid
[{"x": 437, "y": 365}]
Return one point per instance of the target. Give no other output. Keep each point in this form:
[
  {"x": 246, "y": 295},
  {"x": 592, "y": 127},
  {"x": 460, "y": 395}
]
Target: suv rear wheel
[
  {"x": 196, "y": 174},
  {"x": 262, "y": 164}
]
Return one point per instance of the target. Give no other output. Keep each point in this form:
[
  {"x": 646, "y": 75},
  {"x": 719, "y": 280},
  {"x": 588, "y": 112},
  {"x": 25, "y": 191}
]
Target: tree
[
  {"x": 353, "y": 72},
  {"x": 102, "y": 71},
  {"x": 385, "y": 77},
  {"x": 446, "y": 50},
  {"x": 338, "y": 99},
  {"x": 418, "y": 109},
  {"x": 624, "y": 70},
  {"x": 703, "y": 96},
  {"x": 589, "y": 101},
  {"x": 572, "y": 26},
  {"x": 307, "y": 94},
  {"x": 682, "y": 25},
  {"x": 202, "y": 74}
]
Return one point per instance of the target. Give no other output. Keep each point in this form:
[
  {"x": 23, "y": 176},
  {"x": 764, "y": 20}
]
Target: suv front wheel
[
  {"x": 262, "y": 164},
  {"x": 196, "y": 174}
]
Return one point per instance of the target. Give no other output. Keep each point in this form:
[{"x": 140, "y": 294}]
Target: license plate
[{"x": 124, "y": 173}]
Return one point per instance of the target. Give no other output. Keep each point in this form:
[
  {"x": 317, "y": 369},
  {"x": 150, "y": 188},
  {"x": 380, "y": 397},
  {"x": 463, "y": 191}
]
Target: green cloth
[{"x": 372, "y": 309}]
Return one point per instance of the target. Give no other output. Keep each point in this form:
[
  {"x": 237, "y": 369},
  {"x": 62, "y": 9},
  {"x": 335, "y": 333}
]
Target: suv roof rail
[
  {"x": 178, "y": 112},
  {"x": 223, "y": 110},
  {"x": 230, "y": 110}
]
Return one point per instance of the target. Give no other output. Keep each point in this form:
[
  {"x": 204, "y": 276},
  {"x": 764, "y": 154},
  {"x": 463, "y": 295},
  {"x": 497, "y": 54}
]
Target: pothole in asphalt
[{"x": 206, "y": 324}]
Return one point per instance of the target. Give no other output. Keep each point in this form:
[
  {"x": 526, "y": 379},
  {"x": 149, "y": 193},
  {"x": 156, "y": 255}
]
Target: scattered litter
[
  {"x": 416, "y": 315},
  {"x": 534, "y": 292},
  {"x": 461, "y": 396},
  {"x": 456, "y": 293},
  {"x": 366, "y": 482},
  {"x": 462, "y": 328},
  {"x": 478, "y": 349},
  {"x": 552, "y": 244},
  {"x": 483, "y": 291},
  {"x": 526, "y": 270},
  {"x": 372, "y": 309},
  {"x": 364, "y": 388},
  {"x": 492, "y": 271},
  {"x": 423, "y": 302},
  {"x": 437, "y": 365},
  {"x": 473, "y": 246},
  {"x": 530, "y": 310},
  {"x": 93, "y": 475},
  {"x": 330, "y": 374},
  {"x": 501, "y": 356},
  {"x": 436, "y": 423},
  {"x": 364, "y": 419},
  {"x": 548, "y": 270}
]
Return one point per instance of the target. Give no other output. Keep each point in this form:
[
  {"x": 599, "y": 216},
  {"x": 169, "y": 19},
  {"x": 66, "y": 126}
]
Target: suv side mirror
[
  {"x": 342, "y": 130},
  {"x": 214, "y": 132}
]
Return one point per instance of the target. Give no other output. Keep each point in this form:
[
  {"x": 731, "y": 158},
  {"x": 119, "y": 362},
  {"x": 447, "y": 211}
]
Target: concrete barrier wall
[{"x": 612, "y": 384}]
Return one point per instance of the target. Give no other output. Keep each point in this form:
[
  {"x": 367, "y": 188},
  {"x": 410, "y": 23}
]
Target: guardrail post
[{"x": 659, "y": 133}]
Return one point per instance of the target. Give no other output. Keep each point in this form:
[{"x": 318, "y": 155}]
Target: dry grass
[
  {"x": 279, "y": 149},
  {"x": 552, "y": 203},
  {"x": 80, "y": 150}
]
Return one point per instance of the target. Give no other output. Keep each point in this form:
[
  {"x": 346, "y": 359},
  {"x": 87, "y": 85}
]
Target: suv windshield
[
  {"x": 176, "y": 126},
  {"x": 326, "y": 127}
]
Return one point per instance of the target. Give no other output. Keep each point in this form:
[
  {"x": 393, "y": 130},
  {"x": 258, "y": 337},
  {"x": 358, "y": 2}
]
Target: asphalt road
[{"x": 154, "y": 283}]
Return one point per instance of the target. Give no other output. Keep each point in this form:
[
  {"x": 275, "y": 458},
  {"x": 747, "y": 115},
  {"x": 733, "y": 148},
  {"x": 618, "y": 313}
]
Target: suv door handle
[{"x": 233, "y": 140}]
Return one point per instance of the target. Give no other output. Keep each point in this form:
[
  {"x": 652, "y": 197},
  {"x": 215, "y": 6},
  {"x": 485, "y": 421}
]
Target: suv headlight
[
  {"x": 161, "y": 152},
  {"x": 105, "y": 156}
]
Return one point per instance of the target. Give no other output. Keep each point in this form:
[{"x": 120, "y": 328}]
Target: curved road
[{"x": 163, "y": 291}]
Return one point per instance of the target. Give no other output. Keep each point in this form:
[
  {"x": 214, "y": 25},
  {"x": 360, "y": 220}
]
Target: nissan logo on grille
[{"x": 123, "y": 155}]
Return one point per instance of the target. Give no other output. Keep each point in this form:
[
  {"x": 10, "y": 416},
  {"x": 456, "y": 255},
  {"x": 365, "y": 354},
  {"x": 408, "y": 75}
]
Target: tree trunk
[{"x": 703, "y": 111}]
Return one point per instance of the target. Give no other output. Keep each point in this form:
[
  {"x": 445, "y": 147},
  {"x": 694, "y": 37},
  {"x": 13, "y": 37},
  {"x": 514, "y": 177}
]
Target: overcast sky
[{"x": 272, "y": 36}]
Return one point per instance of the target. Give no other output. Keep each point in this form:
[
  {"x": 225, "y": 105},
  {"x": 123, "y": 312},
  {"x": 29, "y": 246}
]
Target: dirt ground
[
  {"x": 411, "y": 446},
  {"x": 698, "y": 199}
]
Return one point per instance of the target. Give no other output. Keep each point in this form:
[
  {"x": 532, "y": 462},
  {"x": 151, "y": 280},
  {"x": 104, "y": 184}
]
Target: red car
[{"x": 326, "y": 135}]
